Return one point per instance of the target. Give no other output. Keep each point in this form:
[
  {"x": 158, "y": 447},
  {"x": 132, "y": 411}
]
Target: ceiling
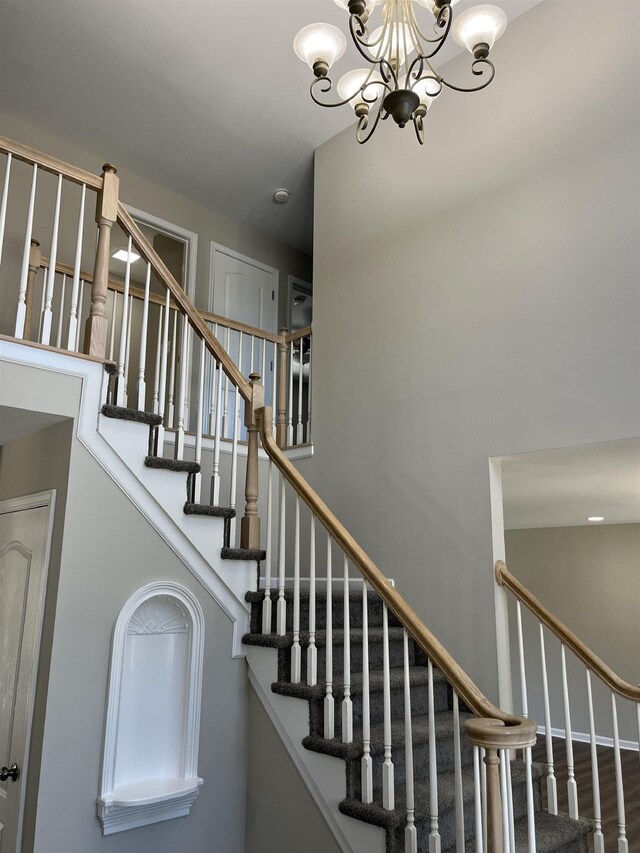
[
  {"x": 205, "y": 97},
  {"x": 562, "y": 487}
]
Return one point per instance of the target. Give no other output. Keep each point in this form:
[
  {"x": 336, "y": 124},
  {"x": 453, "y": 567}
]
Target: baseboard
[{"x": 584, "y": 737}]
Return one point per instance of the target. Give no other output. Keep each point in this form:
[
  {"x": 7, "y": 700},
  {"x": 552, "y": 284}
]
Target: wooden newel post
[
  {"x": 35, "y": 256},
  {"x": 281, "y": 425},
  {"x": 492, "y": 735},
  {"x": 95, "y": 332},
  {"x": 250, "y": 524}
]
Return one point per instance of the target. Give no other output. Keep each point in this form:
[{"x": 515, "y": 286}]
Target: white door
[
  {"x": 243, "y": 289},
  {"x": 24, "y": 544}
]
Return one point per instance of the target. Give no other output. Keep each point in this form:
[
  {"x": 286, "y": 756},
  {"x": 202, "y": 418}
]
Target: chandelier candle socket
[{"x": 400, "y": 81}]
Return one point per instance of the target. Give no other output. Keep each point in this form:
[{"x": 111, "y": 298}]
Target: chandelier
[{"x": 399, "y": 80}]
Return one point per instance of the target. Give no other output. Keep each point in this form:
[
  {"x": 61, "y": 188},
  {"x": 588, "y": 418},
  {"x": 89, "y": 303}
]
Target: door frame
[
  {"x": 189, "y": 238},
  {"x": 238, "y": 256},
  {"x": 24, "y": 502}
]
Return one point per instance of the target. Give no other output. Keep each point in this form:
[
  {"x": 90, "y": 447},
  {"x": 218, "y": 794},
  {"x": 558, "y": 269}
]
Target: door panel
[
  {"x": 23, "y": 544},
  {"x": 244, "y": 290}
]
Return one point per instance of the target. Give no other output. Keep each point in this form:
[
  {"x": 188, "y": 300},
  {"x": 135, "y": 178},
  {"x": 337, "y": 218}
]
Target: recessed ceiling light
[
  {"x": 123, "y": 255},
  {"x": 595, "y": 518}
]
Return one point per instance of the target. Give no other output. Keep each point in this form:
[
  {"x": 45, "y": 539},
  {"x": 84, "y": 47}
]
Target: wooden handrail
[
  {"x": 590, "y": 659},
  {"x": 299, "y": 333},
  {"x": 516, "y": 732},
  {"x": 49, "y": 164}
]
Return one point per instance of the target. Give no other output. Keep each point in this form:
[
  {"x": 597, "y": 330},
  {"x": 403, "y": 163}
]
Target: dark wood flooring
[{"x": 607, "y": 777}]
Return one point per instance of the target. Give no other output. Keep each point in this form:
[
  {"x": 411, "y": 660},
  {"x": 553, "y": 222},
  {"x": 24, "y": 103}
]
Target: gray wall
[
  {"x": 589, "y": 578},
  {"x": 281, "y": 814},
  {"x": 142, "y": 194},
  {"x": 475, "y": 297},
  {"x": 109, "y": 551}
]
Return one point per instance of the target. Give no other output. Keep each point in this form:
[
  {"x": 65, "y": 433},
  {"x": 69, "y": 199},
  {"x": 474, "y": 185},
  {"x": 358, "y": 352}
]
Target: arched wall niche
[{"x": 150, "y": 755}]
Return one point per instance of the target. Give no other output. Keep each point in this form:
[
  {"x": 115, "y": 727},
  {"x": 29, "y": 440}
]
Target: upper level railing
[
  {"x": 192, "y": 368},
  {"x": 534, "y": 670}
]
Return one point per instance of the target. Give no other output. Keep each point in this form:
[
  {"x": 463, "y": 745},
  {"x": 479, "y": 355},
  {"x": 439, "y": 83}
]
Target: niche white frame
[{"x": 122, "y": 806}]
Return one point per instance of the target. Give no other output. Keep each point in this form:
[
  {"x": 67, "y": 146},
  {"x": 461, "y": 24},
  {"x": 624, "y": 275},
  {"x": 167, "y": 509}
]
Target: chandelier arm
[
  {"x": 478, "y": 72},
  {"x": 419, "y": 128},
  {"x": 363, "y": 123},
  {"x": 358, "y": 32},
  {"x": 318, "y": 81},
  {"x": 445, "y": 12}
]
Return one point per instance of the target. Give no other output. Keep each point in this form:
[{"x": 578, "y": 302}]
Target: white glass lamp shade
[
  {"x": 350, "y": 85},
  {"x": 479, "y": 25},
  {"x": 319, "y": 43},
  {"x": 427, "y": 90},
  {"x": 396, "y": 45}
]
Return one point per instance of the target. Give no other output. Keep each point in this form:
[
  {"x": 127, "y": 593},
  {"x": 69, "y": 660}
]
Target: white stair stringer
[
  {"x": 323, "y": 774},
  {"x": 120, "y": 448}
]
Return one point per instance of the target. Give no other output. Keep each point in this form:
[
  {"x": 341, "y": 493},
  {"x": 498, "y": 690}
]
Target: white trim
[
  {"x": 584, "y": 737},
  {"x": 93, "y": 391},
  {"x": 189, "y": 238},
  {"x": 238, "y": 256},
  {"x": 303, "y": 451},
  {"x": 503, "y": 643},
  {"x": 34, "y": 501},
  {"x": 117, "y": 809}
]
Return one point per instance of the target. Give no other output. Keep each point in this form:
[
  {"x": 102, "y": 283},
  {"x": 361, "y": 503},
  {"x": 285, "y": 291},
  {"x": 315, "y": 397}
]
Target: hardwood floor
[{"x": 607, "y": 778}]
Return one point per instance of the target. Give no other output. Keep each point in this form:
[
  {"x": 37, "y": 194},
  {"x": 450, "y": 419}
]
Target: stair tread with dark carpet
[
  {"x": 210, "y": 511},
  {"x": 284, "y": 641},
  {"x": 418, "y": 676},
  {"x": 182, "y": 466},
  {"x": 243, "y": 554}
]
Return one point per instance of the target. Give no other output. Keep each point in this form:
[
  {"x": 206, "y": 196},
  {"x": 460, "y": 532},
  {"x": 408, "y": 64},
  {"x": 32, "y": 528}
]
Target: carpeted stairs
[{"x": 554, "y": 834}]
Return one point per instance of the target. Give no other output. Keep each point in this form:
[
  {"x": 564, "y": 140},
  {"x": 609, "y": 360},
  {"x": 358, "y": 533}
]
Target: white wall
[
  {"x": 475, "y": 297},
  {"x": 589, "y": 577},
  {"x": 109, "y": 551}
]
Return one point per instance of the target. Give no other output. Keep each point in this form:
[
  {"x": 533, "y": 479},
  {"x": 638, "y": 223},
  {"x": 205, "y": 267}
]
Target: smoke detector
[{"x": 281, "y": 196}]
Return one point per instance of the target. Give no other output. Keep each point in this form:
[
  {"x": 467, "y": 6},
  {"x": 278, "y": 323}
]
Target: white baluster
[
  {"x": 163, "y": 373},
  {"x": 296, "y": 652},
  {"x": 572, "y": 788},
  {"x": 234, "y": 447},
  {"x": 388, "y": 786},
  {"x": 156, "y": 374},
  {"x": 172, "y": 373},
  {"x": 347, "y": 704},
  {"x": 113, "y": 327},
  {"x": 478, "y": 800},
  {"x": 182, "y": 389},
  {"x": 598, "y": 837},
  {"x": 274, "y": 382},
  {"x": 512, "y": 826},
  {"x": 47, "y": 315},
  {"x": 124, "y": 322},
  {"x": 263, "y": 366},
  {"x": 215, "y": 478},
  {"x": 366, "y": 764},
  {"x": 410, "y": 832},
  {"x": 312, "y": 652},
  {"x": 309, "y": 391},
  {"x": 197, "y": 491},
  {"x": 80, "y": 303},
  {"x": 623, "y": 843},
  {"x": 61, "y": 311},
  {"x": 506, "y": 800},
  {"x": 225, "y": 411},
  {"x": 552, "y": 787},
  {"x": 531, "y": 817},
  {"x": 434, "y": 833},
  {"x": 457, "y": 771},
  {"x": 290, "y": 406},
  {"x": 212, "y": 393},
  {"x": 75, "y": 288},
  {"x": 253, "y": 340},
  {"x": 300, "y": 427},
  {"x": 281, "y": 607},
  {"x": 266, "y": 604},
  {"x": 142, "y": 362},
  {"x": 3, "y": 203},
  {"x": 24, "y": 273},
  {"x": 42, "y": 298},
  {"x": 483, "y": 780},
  {"x": 523, "y": 672},
  {"x": 127, "y": 353},
  {"x": 329, "y": 701}
]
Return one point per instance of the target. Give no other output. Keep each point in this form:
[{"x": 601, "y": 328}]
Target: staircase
[{"x": 554, "y": 834}]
